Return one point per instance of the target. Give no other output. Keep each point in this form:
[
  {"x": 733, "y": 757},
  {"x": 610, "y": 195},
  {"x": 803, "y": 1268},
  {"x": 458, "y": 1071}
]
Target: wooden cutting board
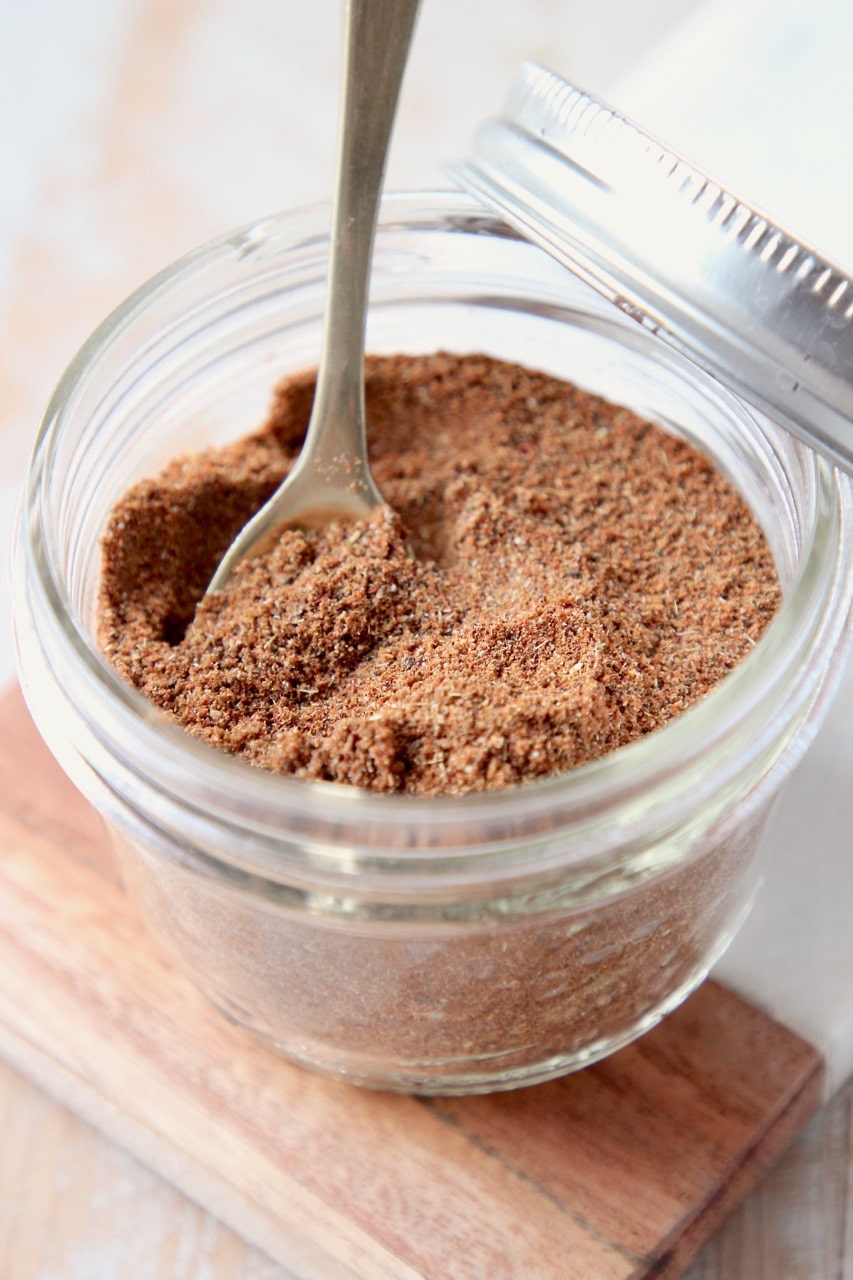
[{"x": 622, "y": 1170}]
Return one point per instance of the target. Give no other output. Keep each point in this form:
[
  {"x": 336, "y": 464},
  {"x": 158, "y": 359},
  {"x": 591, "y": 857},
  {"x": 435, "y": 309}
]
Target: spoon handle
[{"x": 377, "y": 40}]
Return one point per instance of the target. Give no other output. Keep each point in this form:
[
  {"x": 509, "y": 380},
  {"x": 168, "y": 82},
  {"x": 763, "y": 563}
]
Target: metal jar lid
[{"x": 711, "y": 276}]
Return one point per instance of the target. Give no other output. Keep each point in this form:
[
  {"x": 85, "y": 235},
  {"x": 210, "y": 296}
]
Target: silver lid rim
[{"x": 712, "y": 276}]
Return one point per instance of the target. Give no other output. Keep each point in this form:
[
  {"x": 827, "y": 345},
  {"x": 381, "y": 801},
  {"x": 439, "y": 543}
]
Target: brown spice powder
[
  {"x": 556, "y": 578},
  {"x": 432, "y": 1003}
]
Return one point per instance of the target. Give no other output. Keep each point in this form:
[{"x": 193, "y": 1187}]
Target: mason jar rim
[{"x": 235, "y": 792}]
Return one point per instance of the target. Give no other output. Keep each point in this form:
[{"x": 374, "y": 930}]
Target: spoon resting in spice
[{"x": 331, "y": 479}]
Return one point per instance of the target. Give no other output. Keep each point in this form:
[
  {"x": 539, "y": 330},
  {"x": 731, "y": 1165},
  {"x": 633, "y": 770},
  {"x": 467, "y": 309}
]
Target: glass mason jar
[{"x": 435, "y": 945}]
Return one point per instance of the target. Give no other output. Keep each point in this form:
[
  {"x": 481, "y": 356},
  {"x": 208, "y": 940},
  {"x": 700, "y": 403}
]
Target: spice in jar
[{"x": 554, "y": 578}]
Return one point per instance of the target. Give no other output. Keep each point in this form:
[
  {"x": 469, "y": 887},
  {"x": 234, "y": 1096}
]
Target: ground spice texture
[{"x": 555, "y": 578}]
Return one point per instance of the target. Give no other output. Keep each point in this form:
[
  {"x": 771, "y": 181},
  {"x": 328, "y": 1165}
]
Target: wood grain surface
[
  {"x": 75, "y": 1206},
  {"x": 622, "y": 1170}
]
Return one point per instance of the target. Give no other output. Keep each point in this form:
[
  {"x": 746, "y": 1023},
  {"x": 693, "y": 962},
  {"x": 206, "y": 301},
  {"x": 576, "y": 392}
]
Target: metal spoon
[{"x": 332, "y": 478}]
